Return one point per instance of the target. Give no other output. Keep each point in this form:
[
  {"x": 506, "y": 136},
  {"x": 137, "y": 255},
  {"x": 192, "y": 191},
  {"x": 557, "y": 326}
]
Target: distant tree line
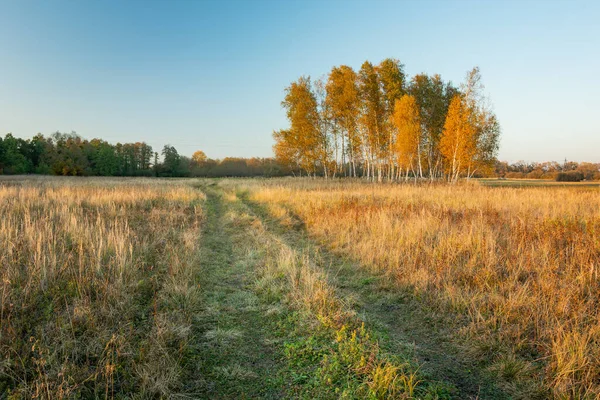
[
  {"x": 568, "y": 171},
  {"x": 378, "y": 124},
  {"x": 69, "y": 154}
]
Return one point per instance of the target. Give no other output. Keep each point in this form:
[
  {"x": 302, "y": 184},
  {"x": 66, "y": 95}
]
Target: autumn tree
[
  {"x": 372, "y": 119},
  {"x": 433, "y": 98},
  {"x": 286, "y": 149},
  {"x": 351, "y": 123},
  {"x": 344, "y": 106},
  {"x": 68, "y": 156},
  {"x": 324, "y": 128},
  {"x": 458, "y": 143},
  {"x": 407, "y": 123},
  {"x": 199, "y": 157},
  {"x": 304, "y": 140},
  {"x": 470, "y": 139},
  {"x": 392, "y": 80}
]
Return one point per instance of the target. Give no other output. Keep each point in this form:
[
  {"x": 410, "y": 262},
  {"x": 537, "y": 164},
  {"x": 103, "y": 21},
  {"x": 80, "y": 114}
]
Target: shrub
[{"x": 571, "y": 176}]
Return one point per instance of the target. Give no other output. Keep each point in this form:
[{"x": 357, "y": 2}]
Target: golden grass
[
  {"x": 521, "y": 265},
  {"x": 97, "y": 285}
]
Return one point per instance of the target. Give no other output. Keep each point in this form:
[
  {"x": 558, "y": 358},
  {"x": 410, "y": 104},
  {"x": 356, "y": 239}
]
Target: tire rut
[{"x": 236, "y": 357}]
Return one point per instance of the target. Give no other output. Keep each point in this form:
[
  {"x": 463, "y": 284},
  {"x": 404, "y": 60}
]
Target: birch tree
[
  {"x": 344, "y": 102},
  {"x": 371, "y": 119},
  {"x": 484, "y": 122},
  {"x": 305, "y": 137},
  {"x": 407, "y": 123},
  {"x": 391, "y": 76},
  {"x": 433, "y": 97},
  {"x": 457, "y": 144}
]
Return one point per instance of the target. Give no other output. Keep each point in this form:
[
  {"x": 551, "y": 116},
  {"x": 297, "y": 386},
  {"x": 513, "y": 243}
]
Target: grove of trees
[
  {"x": 378, "y": 124},
  {"x": 69, "y": 154},
  {"x": 565, "y": 171}
]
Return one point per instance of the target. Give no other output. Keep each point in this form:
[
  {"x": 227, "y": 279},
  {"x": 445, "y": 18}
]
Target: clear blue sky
[{"x": 210, "y": 75}]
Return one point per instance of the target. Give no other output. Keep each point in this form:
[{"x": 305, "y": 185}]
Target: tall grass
[
  {"x": 519, "y": 265},
  {"x": 96, "y": 286}
]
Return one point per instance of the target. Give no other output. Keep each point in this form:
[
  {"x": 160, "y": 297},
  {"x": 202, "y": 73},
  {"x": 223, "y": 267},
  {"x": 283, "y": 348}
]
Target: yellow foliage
[
  {"x": 199, "y": 157},
  {"x": 407, "y": 121},
  {"x": 458, "y": 142}
]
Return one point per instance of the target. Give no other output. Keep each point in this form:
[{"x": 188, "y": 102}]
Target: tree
[
  {"x": 372, "y": 118},
  {"x": 433, "y": 97},
  {"x": 156, "y": 165},
  {"x": 199, "y": 157},
  {"x": 407, "y": 121},
  {"x": 488, "y": 144},
  {"x": 484, "y": 122},
  {"x": 106, "y": 162},
  {"x": 184, "y": 168},
  {"x": 324, "y": 128},
  {"x": 344, "y": 107},
  {"x": 392, "y": 78},
  {"x": 2, "y": 160},
  {"x": 471, "y": 133},
  {"x": 14, "y": 159},
  {"x": 304, "y": 139},
  {"x": 391, "y": 75},
  {"x": 286, "y": 149},
  {"x": 143, "y": 153},
  {"x": 69, "y": 156},
  {"x": 38, "y": 151},
  {"x": 458, "y": 142},
  {"x": 171, "y": 161}
]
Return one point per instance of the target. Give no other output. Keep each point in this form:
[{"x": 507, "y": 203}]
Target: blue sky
[{"x": 211, "y": 75}]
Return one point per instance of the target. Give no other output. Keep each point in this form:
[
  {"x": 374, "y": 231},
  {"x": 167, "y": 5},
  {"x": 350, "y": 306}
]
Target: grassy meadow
[
  {"x": 98, "y": 286},
  {"x": 517, "y": 267},
  {"x": 297, "y": 288}
]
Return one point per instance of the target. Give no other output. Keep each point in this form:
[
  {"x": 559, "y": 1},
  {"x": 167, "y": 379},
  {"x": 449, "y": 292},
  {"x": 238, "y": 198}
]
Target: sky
[{"x": 210, "y": 75}]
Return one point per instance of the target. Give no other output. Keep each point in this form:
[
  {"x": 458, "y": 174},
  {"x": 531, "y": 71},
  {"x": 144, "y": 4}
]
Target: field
[
  {"x": 99, "y": 286},
  {"x": 495, "y": 182},
  {"x": 297, "y": 288}
]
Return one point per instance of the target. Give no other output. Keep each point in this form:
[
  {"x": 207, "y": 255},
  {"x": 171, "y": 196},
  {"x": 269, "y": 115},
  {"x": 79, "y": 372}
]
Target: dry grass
[
  {"x": 521, "y": 265},
  {"x": 99, "y": 281},
  {"x": 97, "y": 285}
]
